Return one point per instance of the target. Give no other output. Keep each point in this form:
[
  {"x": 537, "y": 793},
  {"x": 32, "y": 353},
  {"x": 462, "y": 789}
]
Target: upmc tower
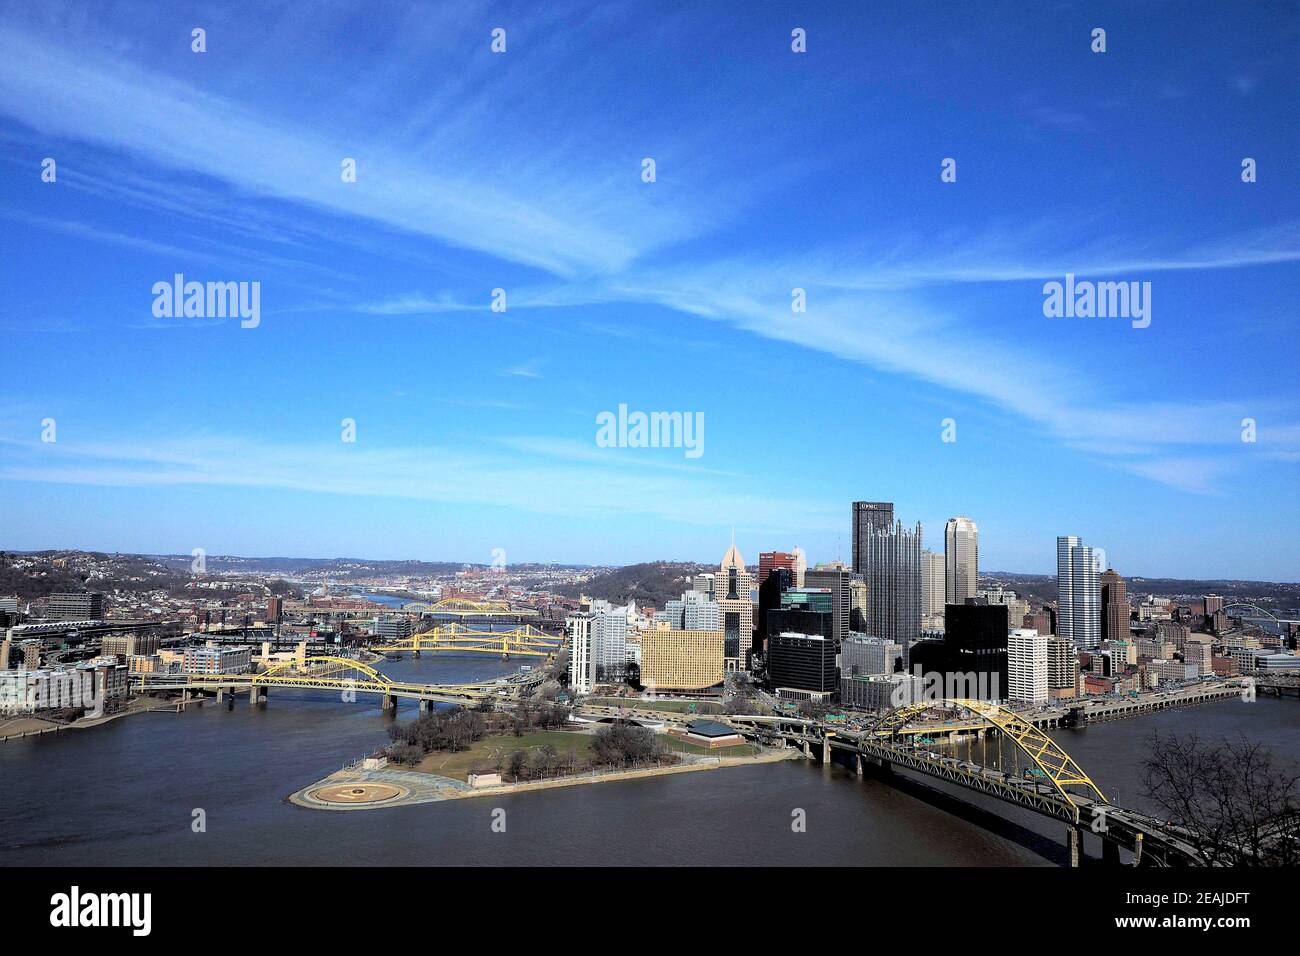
[{"x": 869, "y": 517}]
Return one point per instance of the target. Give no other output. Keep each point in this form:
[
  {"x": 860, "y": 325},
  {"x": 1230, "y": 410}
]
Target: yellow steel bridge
[
  {"x": 465, "y": 607},
  {"x": 526, "y": 641},
  {"x": 329, "y": 673},
  {"x": 1049, "y": 779}
]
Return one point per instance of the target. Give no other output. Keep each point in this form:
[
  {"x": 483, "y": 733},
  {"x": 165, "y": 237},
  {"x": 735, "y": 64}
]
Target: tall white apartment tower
[
  {"x": 582, "y": 659},
  {"x": 933, "y": 593},
  {"x": 609, "y": 642},
  {"x": 961, "y": 556},
  {"x": 1078, "y": 592},
  {"x": 1027, "y": 667}
]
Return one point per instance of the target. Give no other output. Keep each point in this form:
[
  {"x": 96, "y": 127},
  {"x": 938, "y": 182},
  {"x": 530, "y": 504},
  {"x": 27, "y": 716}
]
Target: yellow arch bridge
[
  {"x": 464, "y": 607},
  {"x": 345, "y": 675},
  {"x": 526, "y": 641},
  {"x": 995, "y": 751}
]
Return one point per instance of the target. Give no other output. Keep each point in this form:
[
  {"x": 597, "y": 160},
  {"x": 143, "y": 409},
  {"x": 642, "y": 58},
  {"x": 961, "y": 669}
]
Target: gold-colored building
[{"x": 681, "y": 660}]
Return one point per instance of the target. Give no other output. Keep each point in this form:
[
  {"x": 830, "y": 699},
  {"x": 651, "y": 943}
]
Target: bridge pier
[
  {"x": 807, "y": 749},
  {"x": 389, "y": 704},
  {"x": 257, "y": 695},
  {"x": 427, "y": 707},
  {"x": 857, "y": 762},
  {"x": 1109, "y": 852},
  {"x": 1074, "y": 845}
]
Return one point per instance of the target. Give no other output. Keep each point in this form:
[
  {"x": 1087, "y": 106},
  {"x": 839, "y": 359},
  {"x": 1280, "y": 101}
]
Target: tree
[
  {"x": 1237, "y": 807},
  {"x": 813, "y": 709},
  {"x": 622, "y": 744},
  {"x": 404, "y": 753},
  {"x": 545, "y": 760},
  {"x": 517, "y": 765}
]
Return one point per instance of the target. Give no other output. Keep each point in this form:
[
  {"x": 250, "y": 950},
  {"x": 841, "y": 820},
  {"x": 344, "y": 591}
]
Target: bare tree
[{"x": 1238, "y": 807}]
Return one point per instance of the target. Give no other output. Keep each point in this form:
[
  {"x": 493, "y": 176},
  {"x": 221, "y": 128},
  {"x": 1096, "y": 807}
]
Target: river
[{"x": 126, "y": 793}]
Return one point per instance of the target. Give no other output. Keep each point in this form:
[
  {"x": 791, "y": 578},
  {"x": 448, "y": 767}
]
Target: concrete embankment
[{"x": 18, "y": 727}]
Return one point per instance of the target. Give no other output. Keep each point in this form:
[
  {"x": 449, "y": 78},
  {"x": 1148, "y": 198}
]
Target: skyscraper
[
  {"x": 869, "y": 517},
  {"x": 733, "y": 589},
  {"x": 1062, "y": 667},
  {"x": 1114, "y": 608},
  {"x": 893, "y": 562},
  {"x": 767, "y": 560},
  {"x": 693, "y": 611},
  {"x": 1078, "y": 592},
  {"x": 961, "y": 551},
  {"x": 609, "y": 640},
  {"x": 778, "y": 581},
  {"x": 1027, "y": 668},
  {"x": 838, "y": 579},
  {"x": 932, "y": 590},
  {"x": 801, "y": 665},
  {"x": 975, "y": 637},
  {"x": 582, "y": 662}
]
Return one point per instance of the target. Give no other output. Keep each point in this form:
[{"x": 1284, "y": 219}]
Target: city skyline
[
  {"x": 523, "y": 171},
  {"x": 813, "y": 562}
]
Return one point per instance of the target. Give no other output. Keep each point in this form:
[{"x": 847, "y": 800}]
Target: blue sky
[{"x": 775, "y": 170}]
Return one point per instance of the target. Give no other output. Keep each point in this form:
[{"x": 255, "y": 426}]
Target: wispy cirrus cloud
[
  {"x": 452, "y": 182},
  {"x": 456, "y": 171},
  {"x": 869, "y": 313},
  {"x": 548, "y": 478}
]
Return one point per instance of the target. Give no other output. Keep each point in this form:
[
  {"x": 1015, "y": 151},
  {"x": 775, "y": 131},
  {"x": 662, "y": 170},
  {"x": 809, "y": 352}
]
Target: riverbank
[
  {"x": 15, "y": 728},
  {"x": 355, "y": 789}
]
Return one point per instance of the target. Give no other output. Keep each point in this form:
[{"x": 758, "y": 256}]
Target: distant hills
[
  {"x": 652, "y": 582},
  {"x": 655, "y": 582},
  {"x": 1042, "y": 587},
  {"x": 341, "y": 568}
]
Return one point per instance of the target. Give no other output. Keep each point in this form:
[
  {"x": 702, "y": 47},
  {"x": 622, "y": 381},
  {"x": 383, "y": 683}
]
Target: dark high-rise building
[
  {"x": 893, "y": 576},
  {"x": 975, "y": 636},
  {"x": 971, "y": 660},
  {"x": 769, "y": 599},
  {"x": 928, "y": 657},
  {"x": 839, "y": 580},
  {"x": 868, "y": 518},
  {"x": 1114, "y": 607},
  {"x": 803, "y": 662},
  {"x": 799, "y": 621}
]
